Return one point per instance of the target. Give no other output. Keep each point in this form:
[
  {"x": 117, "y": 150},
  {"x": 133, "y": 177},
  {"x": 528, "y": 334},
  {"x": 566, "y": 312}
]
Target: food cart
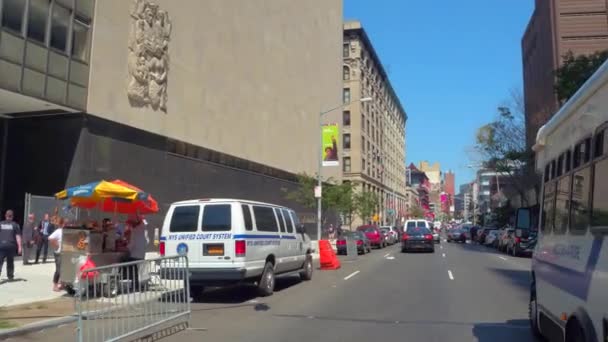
[{"x": 84, "y": 246}]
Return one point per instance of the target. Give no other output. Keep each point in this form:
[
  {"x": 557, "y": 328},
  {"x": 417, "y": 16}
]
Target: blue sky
[{"x": 451, "y": 63}]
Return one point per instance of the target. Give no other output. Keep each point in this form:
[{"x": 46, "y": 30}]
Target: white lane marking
[
  {"x": 450, "y": 275},
  {"x": 443, "y": 255},
  {"x": 390, "y": 258},
  {"x": 351, "y": 275},
  {"x": 387, "y": 254},
  {"x": 503, "y": 258},
  {"x": 441, "y": 247},
  {"x": 253, "y": 301}
]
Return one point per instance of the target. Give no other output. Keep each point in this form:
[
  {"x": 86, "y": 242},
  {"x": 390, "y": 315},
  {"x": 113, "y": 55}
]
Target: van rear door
[{"x": 216, "y": 241}]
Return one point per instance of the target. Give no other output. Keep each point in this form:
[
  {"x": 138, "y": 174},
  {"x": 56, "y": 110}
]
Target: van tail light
[
  {"x": 359, "y": 242},
  {"x": 341, "y": 242},
  {"x": 161, "y": 248},
  {"x": 517, "y": 240},
  {"x": 428, "y": 237},
  {"x": 405, "y": 237},
  {"x": 240, "y": 248}
]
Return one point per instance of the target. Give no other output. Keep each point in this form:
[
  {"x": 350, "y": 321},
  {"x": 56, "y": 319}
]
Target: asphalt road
[{"x": 459, "y": 293}]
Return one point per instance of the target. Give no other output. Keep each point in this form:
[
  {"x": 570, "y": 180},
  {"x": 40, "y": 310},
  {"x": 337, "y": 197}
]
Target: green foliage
[
  {"x": 416, "y": 211},
  {"x": 575, "y": 71},
  {"x": 365, "y": 204}
]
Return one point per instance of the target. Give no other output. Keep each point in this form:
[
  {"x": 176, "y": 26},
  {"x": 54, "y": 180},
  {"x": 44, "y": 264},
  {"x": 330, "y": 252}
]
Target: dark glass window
[
  {"x": 265, "y": 219},
  {"x": 12, "y": 14},
  {"x": 581, "y": 185},
  {"x": 185, "y": 219},
  {"x": 217, "y": 218},
  {"x": 346, "y": 141},
  {"x": 599, "y": 216},
  {"x": 60, "y": 22},
  {"x": 247, "y": 217},
  {"x": 345, "y": 50},
  {"x": 37, "y": 18},
  {"x": 346, "y": 118},
  {"x": 281, "y": 220},
  {"x": 288, "y": 221},
  {"x": 547, "y": 172},
  {"x": 598, "y": 147},
  {"x": 548, "y": 213},
  {"x": 345, "y": 73},
  {"x": 346, "y": 95},
  {"x": 553, "y": 169},
  {"x": 560, "y": 165},
  {"x": 81, "y": 41},
  {"x": 568, "y": 161},
  {"x": 346, "y": 162},
  {"x": 562, "y": 205},
  {"x": 295, "y": 219}
]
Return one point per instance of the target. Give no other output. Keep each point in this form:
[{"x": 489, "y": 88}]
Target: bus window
[
  {"x": 599, "y": 217},
  {"x": 598, "y": 147},
  {"x": 560, "y": 165},
  {"x": 548, "y": 208},
  {"x": 562, "y": 205},
  {"x": 579, "y": 217}
]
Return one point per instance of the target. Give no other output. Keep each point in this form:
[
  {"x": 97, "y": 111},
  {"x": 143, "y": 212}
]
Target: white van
[{"x": 231, "y": 241}]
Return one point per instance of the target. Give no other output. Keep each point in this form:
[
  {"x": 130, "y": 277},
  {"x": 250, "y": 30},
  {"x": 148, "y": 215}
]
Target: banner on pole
[{"x": 330, "y": 145}]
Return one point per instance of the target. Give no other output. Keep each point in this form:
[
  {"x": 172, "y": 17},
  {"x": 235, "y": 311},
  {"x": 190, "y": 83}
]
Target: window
[
  {"x": 346, "y": 167},
  {"x": 363, "y": 144},
  {"x": 281, "y": 220},
  {"x": 346, "y": 141},
  {"x": 582, "y": 153},
  {"x": 37, "y": 19},
  {"x": 247, "y": 217},
  {"x": 560, "y": 165},
  {"x": 363, "y": 164},
  {"x": 12, "y": 14},
  {"x": 81, "y": 41},
  {"x": 346, "y": 95},
  {"x": 60, "y": 22},
  {"x": 598, "y": 147},
  {"x": 295, "y": 219},
  {"x": 345, "y": 51},
  {"x": 288, "y": 221},
  {"x": 599, "y": 217},
  {"x": 265, "y": 219},
  {"x": 217, "y": 218},
  {"x": 548, "y": 208},
  {"x": 562, "y": 205},
  {"x": 84, "y": 8},
  {"x": 547, "y": 172},
  {"x": 553, "y": 169},
  {"x": 346, "y": 118},
  {"x": 185, "y": 219},
  {"x": 345, "y": 73},
  {"x": 568, "y": 161},
  {"x": 579, "y": 217}
]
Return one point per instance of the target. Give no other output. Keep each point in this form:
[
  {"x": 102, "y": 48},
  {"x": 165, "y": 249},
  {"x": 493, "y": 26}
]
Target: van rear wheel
[
  {"x": 266, "y": 283},
  {"x": 306, "y": 273}
]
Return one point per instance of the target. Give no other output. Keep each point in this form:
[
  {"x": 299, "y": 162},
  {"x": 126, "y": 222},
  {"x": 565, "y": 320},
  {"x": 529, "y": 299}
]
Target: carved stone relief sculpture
[{"x": 148, "y": 58}]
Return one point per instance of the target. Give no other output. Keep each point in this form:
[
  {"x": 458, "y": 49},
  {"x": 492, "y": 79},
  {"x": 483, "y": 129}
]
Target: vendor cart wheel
[
  {"x": 109, "y": 290},
  {"x": 70, "y": 290}
]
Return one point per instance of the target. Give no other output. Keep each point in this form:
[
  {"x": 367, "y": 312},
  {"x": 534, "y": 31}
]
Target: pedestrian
[
  {"x": 332, "y": 232},
  {"x": 10, "y": 243},
  {"x": 45, "y": 229},
  {"x": 27, "y": 238},
  {"x": 138, "y": 240},
  {"x": 55, "y": 239}
]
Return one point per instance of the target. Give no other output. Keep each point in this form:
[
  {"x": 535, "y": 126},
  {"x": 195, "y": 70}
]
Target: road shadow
[
  {"x": 242, "y": 293},
  {"x": 517, "y": 278},
  {"x": 509, "y": 331}
]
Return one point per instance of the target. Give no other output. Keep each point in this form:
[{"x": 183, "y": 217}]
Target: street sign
[{"x": 318, "y": 191}]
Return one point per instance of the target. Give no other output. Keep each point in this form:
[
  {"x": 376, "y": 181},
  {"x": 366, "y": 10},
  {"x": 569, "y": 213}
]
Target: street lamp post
[{"x": 318, "y": 193}]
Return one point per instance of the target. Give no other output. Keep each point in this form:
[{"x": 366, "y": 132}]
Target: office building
[
  {"x": 373, "y": 133},
  {"x": 555, "y": 28},
  {"x": 187, "y": 99}
]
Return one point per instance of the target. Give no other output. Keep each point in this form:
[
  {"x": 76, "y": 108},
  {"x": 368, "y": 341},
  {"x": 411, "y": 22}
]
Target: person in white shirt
[
  {"x": 138, "y": 241},
  {"x": 55, "y": 240}
]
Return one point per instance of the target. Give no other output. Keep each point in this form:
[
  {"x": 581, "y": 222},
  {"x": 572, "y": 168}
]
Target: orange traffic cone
[{"x": 328, "y": 258}]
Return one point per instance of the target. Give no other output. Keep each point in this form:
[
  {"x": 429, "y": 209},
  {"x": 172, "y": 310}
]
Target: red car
[{"x": 375, "y": 236}]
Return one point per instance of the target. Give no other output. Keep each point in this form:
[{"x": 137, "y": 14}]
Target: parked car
[
  {"x": 456, "y": 235},
  {"x": 363, "y": 244},
  {"x": 397, "y": 231},
  {"x": 466, "y": 231},
  {"x": 390, "y": 234},
  {"x": 375, "y": 236},
  {"x": 225, "y": 241},
  {"x": 491, "y": 237},
  {"x": 521, "y": 245},
  {"x": 503, "y": 239},
  {"x": 436, "y": 237},
  {"x": 417, "y": 238}
]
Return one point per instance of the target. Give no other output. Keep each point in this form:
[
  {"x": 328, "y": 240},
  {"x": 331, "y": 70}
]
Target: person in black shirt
[{"x": 10, "y": 243}]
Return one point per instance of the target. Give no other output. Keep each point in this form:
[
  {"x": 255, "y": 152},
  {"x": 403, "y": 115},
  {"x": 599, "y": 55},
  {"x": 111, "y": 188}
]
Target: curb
[{"x": 37, "y": 326}]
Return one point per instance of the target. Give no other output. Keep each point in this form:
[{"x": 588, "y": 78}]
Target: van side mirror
[
  {"x": 300, "y": 229},
  {"x": 518, "y": 233},
  {"x": 523, "y": 219}
]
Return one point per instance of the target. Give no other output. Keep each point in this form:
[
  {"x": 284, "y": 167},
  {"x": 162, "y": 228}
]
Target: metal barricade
[{"x": 133, "y": 300}]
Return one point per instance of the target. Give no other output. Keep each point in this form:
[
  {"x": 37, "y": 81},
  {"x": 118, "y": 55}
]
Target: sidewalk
[{"x": 32, "y": 283}]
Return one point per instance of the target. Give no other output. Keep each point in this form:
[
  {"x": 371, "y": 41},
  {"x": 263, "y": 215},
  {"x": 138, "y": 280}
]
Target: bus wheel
[{"x": 574, "y": 332}]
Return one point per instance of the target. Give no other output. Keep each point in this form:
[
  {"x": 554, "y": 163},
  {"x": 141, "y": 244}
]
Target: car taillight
[
  {"x": 517, "y": 240},
  {"x": 428, "y": 237},
  {"x": 341, "y": 242},
  {"x": 161, "y": 248},
  {"x": 240, "y": 248},
  {"x": 405, "y": 237},
  {"x": 359, "y": 242}
]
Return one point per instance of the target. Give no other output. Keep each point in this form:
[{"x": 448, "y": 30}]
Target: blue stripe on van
[
  {"x": 163, "y": 238},
  {"x": 574, "y": 282},
  {"x": 252, "y": 236}
]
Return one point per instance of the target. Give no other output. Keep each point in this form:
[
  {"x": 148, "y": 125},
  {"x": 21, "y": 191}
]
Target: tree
[
  {"x": 416, "y": 211},
  {"x": 336, "y": 197},
  {"x": 575, "y": 71},
  {"x": 365, "y": 204}
]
